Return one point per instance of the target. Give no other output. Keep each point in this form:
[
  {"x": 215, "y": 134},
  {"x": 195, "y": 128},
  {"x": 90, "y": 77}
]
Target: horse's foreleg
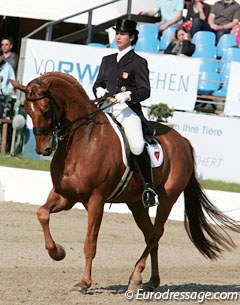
[
  {"x": 95, "y": 212},
  {"x": 144, "y": 222},
  {"x": 55, "y": 203}
]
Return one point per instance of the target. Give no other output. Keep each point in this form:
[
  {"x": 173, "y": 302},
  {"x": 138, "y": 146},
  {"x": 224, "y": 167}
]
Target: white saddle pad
[{"x": 155, "y": 150}]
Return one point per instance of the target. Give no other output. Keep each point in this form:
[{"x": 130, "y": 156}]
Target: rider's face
[{"x": 123, "y": 40}]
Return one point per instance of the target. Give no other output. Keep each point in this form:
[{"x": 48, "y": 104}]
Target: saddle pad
[
  {"x": 155, "y": 150},
  {"x": 119, "y": 134}
]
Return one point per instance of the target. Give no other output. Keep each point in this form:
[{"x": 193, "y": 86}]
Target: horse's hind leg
[
  {"x": 55, "y": 203},
  {"x": 144, "y": 222},
  {"x": 167, "y": 199}
]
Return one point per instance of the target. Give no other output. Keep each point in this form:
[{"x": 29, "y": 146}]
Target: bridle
[
  {"x": 60, "y": 131},
  {"x": 44, "y": 130}
]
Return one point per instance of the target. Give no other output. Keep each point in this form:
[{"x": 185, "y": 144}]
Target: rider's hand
[
  {"x": 123, "y": 97},
  {"x": 101, "y": 92}
]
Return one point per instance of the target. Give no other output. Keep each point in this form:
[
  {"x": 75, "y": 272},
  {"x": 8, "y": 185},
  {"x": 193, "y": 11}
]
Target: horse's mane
[{"x": 69, "y": 78}]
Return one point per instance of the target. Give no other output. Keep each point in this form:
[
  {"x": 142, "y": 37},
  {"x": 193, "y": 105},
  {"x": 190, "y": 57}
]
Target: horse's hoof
[
  {"x": 134, "y": 286},
  {"x": 58, "y": 253},
  {"x": 79, "y": 289}
]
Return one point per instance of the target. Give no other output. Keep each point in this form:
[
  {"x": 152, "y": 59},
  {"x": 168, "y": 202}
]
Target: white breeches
[{"x": 132, "y": 126}]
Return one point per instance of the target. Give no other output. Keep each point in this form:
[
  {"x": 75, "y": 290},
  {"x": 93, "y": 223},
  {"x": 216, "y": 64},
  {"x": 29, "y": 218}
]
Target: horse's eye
[{"x": 45, "y": 112}]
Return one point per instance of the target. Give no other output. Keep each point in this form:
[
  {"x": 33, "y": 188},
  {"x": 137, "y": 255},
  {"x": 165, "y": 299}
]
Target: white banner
[
  {"x": 173, "y": 78},
  {"x": 232, "y": 104},
  {"x": 214, "y": 141}
]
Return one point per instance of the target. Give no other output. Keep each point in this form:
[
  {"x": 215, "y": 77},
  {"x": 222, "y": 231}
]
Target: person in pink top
[{"x": 238, "y": 38}]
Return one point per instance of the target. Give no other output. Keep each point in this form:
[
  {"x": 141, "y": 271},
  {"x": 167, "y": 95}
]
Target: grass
[
  {"x": 220, "y": 185},
  {"x": 22, "y": 162}
]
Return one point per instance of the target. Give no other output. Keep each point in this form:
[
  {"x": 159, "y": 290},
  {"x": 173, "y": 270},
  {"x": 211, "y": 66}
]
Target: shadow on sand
[{"x": 191, "y": 287}]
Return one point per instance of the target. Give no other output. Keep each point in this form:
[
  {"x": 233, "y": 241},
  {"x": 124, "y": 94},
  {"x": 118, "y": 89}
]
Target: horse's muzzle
[{"x": 47, "y": 151}]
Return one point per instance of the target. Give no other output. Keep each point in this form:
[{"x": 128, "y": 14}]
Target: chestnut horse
[{"x": 87, "y": 166}]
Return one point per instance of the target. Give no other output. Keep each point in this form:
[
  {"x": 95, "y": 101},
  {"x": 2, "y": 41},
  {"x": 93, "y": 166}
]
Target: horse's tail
[{"x": 209, "y": 239}]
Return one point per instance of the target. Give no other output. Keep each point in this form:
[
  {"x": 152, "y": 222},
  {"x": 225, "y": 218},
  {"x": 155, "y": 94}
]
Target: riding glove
[
  {"x": 101, "y": 92},
  {"x": 123, "y": 97}
]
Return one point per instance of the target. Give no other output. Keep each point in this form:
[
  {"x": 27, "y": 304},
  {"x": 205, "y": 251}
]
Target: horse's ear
[{"x": 18, "y": 86}]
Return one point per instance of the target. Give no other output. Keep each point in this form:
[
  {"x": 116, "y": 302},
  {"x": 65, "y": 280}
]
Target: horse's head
[{"x": 43, "y": 110}]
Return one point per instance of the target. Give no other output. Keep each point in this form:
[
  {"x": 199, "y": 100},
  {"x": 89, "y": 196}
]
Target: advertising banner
[
  {"x": 214, "y": 141},
  {"x": 173, "y": 79}
]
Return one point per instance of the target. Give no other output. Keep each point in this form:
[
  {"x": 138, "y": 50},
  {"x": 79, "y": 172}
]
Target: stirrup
[{"x": 149, "y": 198}]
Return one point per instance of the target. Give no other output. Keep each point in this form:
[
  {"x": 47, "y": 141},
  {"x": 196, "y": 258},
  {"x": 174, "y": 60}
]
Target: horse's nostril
[{"x": 47, "y": 151}]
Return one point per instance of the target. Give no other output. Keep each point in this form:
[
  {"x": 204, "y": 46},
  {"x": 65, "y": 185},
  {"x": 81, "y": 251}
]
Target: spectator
[
  {"x": 171, "y": 14},
  {"x": 180, "y": 44},
  {"x": 8, "y": 55},
  {"x": 223, "y": 17},
  {"x": 197, "y": 16},
  {"x": 238, "y": 38},
  {"x": 235, "y": 29},
  {"x": 6, "y": 89}
]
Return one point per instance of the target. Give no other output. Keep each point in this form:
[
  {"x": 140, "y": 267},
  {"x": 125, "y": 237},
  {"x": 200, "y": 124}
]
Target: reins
[
  {"x": 58, "y": 128},
  {"x": 87, "y": 119}
]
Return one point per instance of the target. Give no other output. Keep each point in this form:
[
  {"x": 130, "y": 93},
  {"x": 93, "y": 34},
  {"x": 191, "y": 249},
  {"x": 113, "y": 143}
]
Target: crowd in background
[{"x": 221, "y": 18}]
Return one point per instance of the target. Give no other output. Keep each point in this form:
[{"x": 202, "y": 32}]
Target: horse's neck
[{"x": 76, "y": 108}]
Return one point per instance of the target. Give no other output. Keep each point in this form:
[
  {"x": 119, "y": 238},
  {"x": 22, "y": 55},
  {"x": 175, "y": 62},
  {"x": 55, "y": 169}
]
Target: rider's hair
[{"x": 135, "y": 38}]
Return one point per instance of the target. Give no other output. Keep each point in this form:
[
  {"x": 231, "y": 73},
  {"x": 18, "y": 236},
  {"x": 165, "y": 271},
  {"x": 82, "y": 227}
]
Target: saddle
[{"x": 153, "y": 147}]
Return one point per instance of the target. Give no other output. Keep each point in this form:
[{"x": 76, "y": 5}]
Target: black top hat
[{"x": 125, "y": 25}]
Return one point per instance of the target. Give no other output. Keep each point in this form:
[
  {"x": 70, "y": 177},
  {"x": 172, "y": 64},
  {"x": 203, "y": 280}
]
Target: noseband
[{"x": 44, "y": 130}]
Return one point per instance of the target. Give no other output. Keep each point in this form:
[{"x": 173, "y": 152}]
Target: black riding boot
[{"x": 149, "y": 197}]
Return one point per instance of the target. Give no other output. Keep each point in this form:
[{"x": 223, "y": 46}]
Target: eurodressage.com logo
[{"x": 199, "y": 297}]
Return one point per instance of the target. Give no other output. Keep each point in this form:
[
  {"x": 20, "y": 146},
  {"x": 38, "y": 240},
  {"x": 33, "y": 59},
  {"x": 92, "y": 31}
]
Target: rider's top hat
[{"x": 125, "y": 25}]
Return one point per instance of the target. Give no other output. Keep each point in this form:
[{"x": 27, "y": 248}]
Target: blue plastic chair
[
  {"x": 221, "y": 92},
  {"x": 147, "y": 38},
  {"x": 230, "y": 54},
  {"x": 205, "y": 51},
  {"x": 224, "y": 78},
  {"x": 226, "y": 41},
  {"x": 204, "y": 38},
  {"x": 97, "y": 44},
  {"x": 166, "y": 38},
  {"x": 113, "y": 44},
  {"x": 147, "y": 31},
  {"x": 208, "y": 82},
  {"x": 208, "y": 65},
  {"x": 144, "y": 45}
]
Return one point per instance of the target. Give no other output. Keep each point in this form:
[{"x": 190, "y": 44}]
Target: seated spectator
[
  {"x": 171, "y": 14},
  {"x": 235, "y": 29},
  {"x": 197, "y": 16},
  {"x": 223, "y": 17},
  {"x": 238, "y": 38},
  {"x": 6, "y": 89},
  {"x": 180, "y": 44},
  {"x": 7, "y": 53}
]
